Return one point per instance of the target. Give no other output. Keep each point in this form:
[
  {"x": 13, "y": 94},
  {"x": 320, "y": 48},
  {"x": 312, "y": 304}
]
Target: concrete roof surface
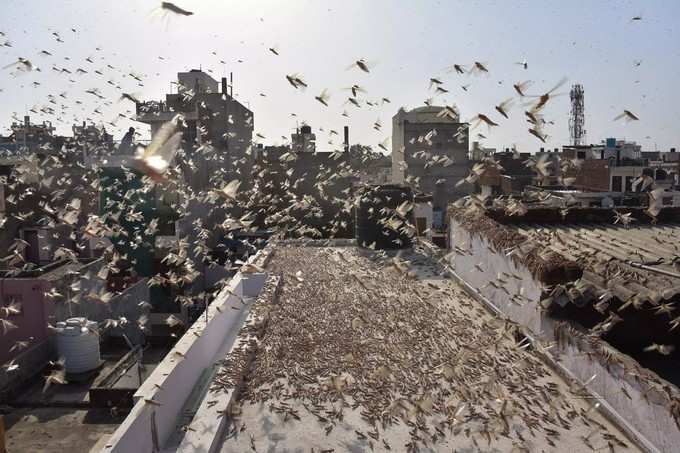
[{"x": 364, "y": 351}]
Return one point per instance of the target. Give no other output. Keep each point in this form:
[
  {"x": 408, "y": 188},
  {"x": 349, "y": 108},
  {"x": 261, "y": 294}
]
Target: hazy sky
[{"x": 594, "y": 43}]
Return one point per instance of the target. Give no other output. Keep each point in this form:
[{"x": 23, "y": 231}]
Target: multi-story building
[
  {"x": 218, "y": 129},
  {"x": 614, "y": 165},
  {"x": 610, "y": 149},
  {"x": 305, "y": 192},
  {"x": 27, "y": 136},
  {"x": 430, "y": 153},
  {"x": 303, "y": 140}
]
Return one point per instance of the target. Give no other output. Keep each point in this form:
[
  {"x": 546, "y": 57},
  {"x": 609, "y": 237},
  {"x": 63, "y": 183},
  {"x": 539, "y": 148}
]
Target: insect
[
  {"x": 172, "y": 8},
  {"x": 627, "y": 115}
]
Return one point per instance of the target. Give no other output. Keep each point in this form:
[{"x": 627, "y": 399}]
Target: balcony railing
[{"x": 151, "y": 108}]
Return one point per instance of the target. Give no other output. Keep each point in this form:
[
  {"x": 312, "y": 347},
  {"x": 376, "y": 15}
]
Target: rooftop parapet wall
[
  {"x": 595, "y": 215},
  {"x": 648, "y": 405},
  {"x": 546, "y": 268},
  {"x": 160, "y": 400}
]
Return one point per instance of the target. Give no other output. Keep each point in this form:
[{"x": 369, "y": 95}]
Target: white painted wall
[
  {"x": 493, "y": 264},
  {"x": 208, "y": 424},
  {"x": 649, "y": 416}
]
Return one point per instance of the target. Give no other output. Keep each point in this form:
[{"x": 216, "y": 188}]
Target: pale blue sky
[{"x": 590, "y": 42}]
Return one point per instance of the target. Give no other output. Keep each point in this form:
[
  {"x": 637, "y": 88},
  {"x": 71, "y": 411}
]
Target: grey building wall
[{"x": 444, "y": 139}]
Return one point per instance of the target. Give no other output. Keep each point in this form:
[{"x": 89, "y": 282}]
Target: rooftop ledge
[{"x": 179, "y": 382}]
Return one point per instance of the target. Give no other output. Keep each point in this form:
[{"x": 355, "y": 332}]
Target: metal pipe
[
  {"x": 652, "y": 269},
  {"x": 346, "y": 138}
]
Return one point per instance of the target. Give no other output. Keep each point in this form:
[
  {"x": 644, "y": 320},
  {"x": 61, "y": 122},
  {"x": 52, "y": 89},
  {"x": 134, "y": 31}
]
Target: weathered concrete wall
[
  {"x": 480, "y": 254},
  {"x": 424, "y": 210},
  {"x": 31, "y": 323},
  {"x": 214, "y": 274},
  {"x": 75, "y": 303},
  {"x": 646, "y": 415},
  {"x": 643, "y": 406},
  {"x": 30, "y": 362},
  {"x": 124, "y": 304}
]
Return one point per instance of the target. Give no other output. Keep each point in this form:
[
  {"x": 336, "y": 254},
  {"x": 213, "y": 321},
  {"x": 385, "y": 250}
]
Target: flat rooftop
[
  {"x": 54, "y": 271},
  {"x": 363, "y": 350},
  {"x": 58, "y": 429}
]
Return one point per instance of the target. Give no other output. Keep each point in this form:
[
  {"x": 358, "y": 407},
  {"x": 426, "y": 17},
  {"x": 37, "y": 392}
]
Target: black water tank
[
  {"x": 368, "y": 226},
  {"x": 306, "y": 129}
]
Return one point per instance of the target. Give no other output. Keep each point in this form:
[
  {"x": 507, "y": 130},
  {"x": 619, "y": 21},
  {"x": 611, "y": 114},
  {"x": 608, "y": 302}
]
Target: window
[
  {"x": 580, "y": 154},
  {"x": 629, "y": 183},
  {"x": 667, "y": 201},
  {"x": 616, "y": 183},
  {"x": 32, "y": 250}
]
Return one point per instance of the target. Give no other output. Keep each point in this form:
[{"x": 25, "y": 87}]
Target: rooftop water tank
[{"x": 78, "y": 344}]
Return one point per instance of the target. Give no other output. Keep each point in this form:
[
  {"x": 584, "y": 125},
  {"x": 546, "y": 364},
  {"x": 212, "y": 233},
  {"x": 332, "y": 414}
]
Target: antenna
[{"x": 577, "y": 119}]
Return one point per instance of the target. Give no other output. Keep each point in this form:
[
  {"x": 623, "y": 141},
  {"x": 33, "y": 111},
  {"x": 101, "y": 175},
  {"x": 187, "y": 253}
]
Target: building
[
  {"x": 380, "y": 352},
  {"x": 54, "y": 292},
  {"x": 661, "y": 156},
  {"x": 299, "y": 190},
  {"x": 303, "y": 140},
  {"x": 430, "y": 153},
  {"x": 210, "y": 112},
  {"x": 122, "y": 191},
  {"x": 29, "y": 137},
  {"x": 512, "y": 176},
  {"x": 422, "y": 216},
  {"x": 92, "y": 140},
  {"x": 610, "y": 175},
  {"x": 478, "y": 152},
  {"x": 29, "y": 182},
  {"x": 610, "y": 149},
  {"x": 303, "y": 194},
  {"x": 370, "y": 167},
  {"x": 218, "y": 129}
]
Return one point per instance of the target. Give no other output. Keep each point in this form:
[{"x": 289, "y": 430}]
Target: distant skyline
[{"x": 622, "y": 63}]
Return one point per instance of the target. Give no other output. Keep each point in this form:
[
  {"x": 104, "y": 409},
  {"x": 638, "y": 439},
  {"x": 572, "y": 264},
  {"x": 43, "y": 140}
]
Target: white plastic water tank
[{"x": 78, "y": 344}]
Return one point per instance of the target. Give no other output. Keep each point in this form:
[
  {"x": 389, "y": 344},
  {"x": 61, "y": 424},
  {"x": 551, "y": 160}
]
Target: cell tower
[{"x": 577, "y": 117}]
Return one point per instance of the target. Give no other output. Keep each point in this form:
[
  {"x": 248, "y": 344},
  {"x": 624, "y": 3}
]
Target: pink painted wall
[{"x": 37, "y": 310}]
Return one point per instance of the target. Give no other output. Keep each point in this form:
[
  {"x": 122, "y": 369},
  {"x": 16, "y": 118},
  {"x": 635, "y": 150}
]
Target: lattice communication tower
[{"x": 577, "y": 117}]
